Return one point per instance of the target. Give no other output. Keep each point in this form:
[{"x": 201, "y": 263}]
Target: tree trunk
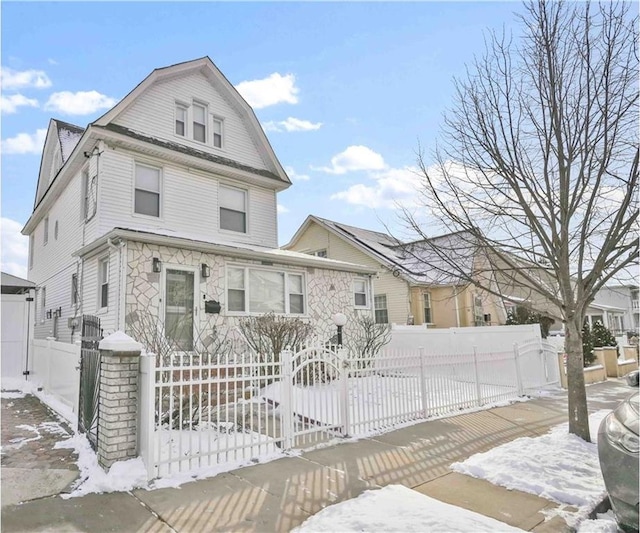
[{"x": 578, "y": 413}]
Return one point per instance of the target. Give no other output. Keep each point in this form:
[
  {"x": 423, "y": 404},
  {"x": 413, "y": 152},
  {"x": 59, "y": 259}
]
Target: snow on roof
[{"x": 68, "y": 135}]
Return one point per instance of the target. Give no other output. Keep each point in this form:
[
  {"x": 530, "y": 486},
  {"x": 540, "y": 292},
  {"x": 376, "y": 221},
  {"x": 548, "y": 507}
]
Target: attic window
[
  {"x": 199, "y": 123},
  {"x": 217, "y": 132},
  {"x": 181, "y": 120}
]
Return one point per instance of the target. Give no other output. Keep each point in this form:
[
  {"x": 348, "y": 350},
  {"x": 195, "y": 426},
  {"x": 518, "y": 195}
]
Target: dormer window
[
  {"x": 217, "y": 132},
  {"x": 181, "y": 120},
  {"x": 199, "y": 123}
]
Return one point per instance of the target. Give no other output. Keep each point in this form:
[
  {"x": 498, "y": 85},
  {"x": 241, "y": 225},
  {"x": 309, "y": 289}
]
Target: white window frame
[
  {"x": 246, "y": 210},
  {"x": 102, "y": 282},
  {"x": 185, "y": 108},
  {"x": 160, "y": 191},
  {"x": 45, "y": 240},
  {"x": 366, "y": 293},
  {"x": 426, "y": 298},
  {"x": 217, "y": 120},
  {"x": 320, "y": 253},
  {"x": 247, "y": 290},
  {"x": 205, "y": 109},
  {"x": 75, "y": 296},
  {"x": 376, "y": 308},
  {"x": 31, "y": 247}
]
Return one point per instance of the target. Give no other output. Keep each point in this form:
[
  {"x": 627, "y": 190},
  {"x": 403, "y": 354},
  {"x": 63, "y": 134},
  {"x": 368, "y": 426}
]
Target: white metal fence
[{"x": 199, "y": 411}]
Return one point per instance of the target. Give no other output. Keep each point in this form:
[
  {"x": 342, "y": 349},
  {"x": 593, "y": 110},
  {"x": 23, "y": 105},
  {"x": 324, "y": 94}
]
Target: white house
[
  {"x": 167, "y": 205},
  {"x": 616, "y": 306}
]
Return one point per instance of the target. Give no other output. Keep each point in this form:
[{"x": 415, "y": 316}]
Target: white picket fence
[{"x": 198, "y": 411}]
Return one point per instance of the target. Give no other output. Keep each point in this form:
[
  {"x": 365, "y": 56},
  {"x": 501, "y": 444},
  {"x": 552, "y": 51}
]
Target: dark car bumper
[{"x": 620, "y": 473}]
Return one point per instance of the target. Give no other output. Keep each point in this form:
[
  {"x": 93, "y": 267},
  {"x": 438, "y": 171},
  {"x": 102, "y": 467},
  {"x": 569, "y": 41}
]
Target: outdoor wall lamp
[
  {"x": 49, "y": 313},
  {"x": 58, "y": 312},
  {"x": 339, "y": 319},
  {"x": 157, "y": 265},
  {"x": 205, "y": 271}
]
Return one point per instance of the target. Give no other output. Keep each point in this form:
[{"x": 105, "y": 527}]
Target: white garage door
[{"x": 15, "y": 334}]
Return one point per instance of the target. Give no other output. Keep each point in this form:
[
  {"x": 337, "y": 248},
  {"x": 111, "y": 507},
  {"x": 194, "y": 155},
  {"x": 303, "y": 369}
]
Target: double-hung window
[
  {"x": 360, "y": 297},
  {"x": 426, "y": 305},
  {"x": 181, "y": 120},
  {"x": 217, "y": 132},
  {"x": 43, "y": 304},
  {"x": 46, "y": 230},
  {"x": 74, "y": 289},
  {"x": 233, "y": 209},
  {"x": 380, "y": 307},
  {"x": 257, "y": 290},
  {"x": 147, "y": 191},
  {"x": 199, "y": 123},
  {"x": 103, "y": 283}
]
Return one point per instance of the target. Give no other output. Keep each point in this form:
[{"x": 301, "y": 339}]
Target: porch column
[{"x": 118, "y": 399}]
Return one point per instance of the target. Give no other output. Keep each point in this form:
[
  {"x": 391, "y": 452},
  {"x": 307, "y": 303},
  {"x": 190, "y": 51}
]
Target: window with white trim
[
  {"x": 103, "y": 283},
  {"x": 258, "y": 290},
  {"x": 199, "y": 123},
  {"x": 233, "y": 209},
  {"x": 380, "y": 309},
  {"x": 426, "y": 305},
  {"x": 147, "y": 191},
  {"x": 360, "y": 292},
  {"x": 181, "y": 120},
  {"x": 55, "y": 231},
  {"x": 217, "y": 132},
  {"x": 319, "y": 253},
  {"x": 46, "y": 230}
]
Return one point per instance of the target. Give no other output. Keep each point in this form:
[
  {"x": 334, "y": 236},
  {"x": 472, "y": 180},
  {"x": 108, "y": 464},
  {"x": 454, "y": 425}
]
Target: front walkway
[{"x": 280, "y": 495}]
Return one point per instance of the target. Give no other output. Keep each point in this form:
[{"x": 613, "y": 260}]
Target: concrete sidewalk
[{"x": 280, "y": 495}]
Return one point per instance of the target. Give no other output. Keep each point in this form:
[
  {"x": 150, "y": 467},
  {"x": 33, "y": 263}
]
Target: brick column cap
[{"x": 120, "y": 342}]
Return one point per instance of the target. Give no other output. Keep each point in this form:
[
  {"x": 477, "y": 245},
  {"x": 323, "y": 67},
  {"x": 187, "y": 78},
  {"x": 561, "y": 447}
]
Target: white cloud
[
  {"x": 292, "y": 124},
  {"x": 393, "y": 187},
  {"x": 269, "y": 91},
  {"x": 282, "y": 209},
  {"x": 25, "y": 143},
  {"x": 15, "y": 248},
  {"x": 80, "y": 103},
  {"x": 52, "y": 61},
  {"x": 355, "y": 158},
  {"x": 11, "y": 103},
  {"x": 295, "y": 176},
  {"x": 14, "y": 79}
]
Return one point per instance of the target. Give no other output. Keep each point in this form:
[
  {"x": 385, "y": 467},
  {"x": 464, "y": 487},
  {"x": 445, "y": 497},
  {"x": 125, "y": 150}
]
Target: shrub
[{"x": 588, "y": 357}]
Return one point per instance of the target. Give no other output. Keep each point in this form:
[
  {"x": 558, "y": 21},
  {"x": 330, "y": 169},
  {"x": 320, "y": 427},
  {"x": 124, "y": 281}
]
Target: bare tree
[{"x": 538, "y": 168}]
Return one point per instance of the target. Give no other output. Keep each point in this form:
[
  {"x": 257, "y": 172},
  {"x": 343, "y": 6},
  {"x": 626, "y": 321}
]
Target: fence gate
[
  {"x": 89, "y": 379},
  {"x": 316, "y": 389}
]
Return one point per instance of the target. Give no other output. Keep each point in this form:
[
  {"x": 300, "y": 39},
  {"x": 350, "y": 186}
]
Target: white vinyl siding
[
  {"x": 153, "y": 113},
  {"x": 45, "y": 237},
  {"x": 233, "y": 209},
  {"x": 260, "y": 290},
  {"x": 189, "y": 203},
  {"x": 147, "y": 191},
  {"x": 31, "y": 243},
  {"x": 43, "y": 304}
]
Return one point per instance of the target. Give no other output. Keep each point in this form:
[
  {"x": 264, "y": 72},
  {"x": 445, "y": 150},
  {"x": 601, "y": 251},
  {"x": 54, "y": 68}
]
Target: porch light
[
  {"x": 157, "y": 265},
  {"x": 339, "y": 319},
  {"x": 205, "y": 271}
]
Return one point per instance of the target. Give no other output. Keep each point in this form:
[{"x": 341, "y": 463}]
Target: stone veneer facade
[{"x": 327, "y": 291}]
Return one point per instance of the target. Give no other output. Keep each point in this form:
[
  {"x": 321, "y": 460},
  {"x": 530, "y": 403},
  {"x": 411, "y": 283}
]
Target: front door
[{"x": 179, "y": 308}]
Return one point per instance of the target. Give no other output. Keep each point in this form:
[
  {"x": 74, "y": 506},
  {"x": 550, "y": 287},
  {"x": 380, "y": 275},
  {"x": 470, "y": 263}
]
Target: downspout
[{"x": 118, "y": 245}]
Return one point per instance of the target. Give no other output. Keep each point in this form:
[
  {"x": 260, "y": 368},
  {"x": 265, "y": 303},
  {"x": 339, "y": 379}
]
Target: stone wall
[{"x": 328, "y": 291}]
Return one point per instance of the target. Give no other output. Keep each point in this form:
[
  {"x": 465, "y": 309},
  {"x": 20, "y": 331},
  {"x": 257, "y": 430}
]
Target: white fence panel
[
  {"x": 485, "y": 339},
  {"x": 54, "y": 366}
]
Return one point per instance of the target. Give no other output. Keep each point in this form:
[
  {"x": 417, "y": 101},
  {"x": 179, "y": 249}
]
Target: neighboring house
[
  {"x": 406, "y": 290},
  {"x": 166, "y": 205},
  {"x": 616, "y": 306}
]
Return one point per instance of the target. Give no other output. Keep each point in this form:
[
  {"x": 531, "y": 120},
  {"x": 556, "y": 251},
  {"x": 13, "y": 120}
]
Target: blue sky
[{"x": 346, "y": 89}]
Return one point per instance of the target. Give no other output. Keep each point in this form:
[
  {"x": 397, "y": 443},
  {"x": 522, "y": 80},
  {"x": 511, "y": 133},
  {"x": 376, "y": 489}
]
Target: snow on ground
[
  {"x": 397, "y": 508},
  {"x": 557, "y": 466}
]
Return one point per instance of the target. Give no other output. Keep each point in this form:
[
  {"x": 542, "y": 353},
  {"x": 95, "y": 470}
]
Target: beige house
[{"x": 405, "y": 290}]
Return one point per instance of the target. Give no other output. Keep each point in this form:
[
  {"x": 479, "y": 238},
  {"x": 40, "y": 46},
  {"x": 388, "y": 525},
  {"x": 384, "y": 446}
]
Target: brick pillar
[{"x": 118, "y": 401}]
